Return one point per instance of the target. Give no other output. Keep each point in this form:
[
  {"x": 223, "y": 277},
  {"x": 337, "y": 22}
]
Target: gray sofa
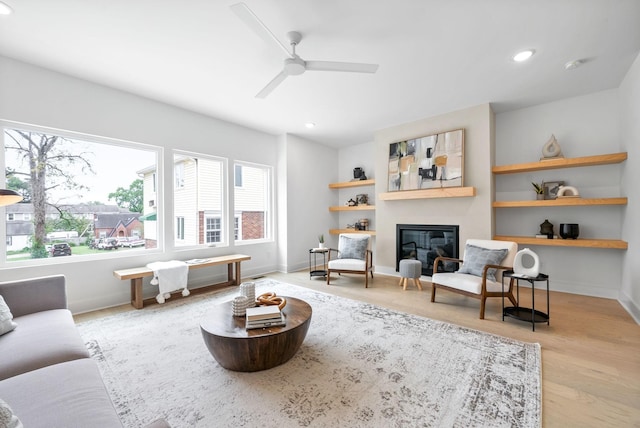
[{"x": 46, "y": 374}]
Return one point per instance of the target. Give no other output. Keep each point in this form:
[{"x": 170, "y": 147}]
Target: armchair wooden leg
[
  {"x": 433, "y": 292},
  {"x": 483, "y": 300}
]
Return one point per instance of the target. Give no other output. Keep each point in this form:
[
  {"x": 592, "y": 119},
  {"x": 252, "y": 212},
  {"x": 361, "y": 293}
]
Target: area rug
[{"x": 360, "y": 366}]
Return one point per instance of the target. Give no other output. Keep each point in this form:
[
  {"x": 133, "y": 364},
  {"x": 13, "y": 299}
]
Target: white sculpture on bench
[{"x": 169, "y": 276}]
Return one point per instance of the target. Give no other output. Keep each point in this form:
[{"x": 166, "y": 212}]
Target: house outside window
[
  {"x": 254, "y": 203},
  {"x": 10, "y": 217}
]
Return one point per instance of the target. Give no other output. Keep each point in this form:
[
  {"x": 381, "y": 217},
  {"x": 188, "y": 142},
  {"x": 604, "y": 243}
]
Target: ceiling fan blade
[
  {"x": 341, "y": 66},
  {"x": 243, "y": 12},
  {"x": 272, "y": 85}
]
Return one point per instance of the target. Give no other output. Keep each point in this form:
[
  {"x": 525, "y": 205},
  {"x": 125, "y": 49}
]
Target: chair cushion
[
  {"x": 475, "y": 259},
  {"x": 352, "y": 247},
  {"x": 465, "y": 282},
  {"x": 347, "y": 264}
]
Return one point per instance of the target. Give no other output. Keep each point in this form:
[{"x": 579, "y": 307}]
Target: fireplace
[{"x": 425, "y": 242}]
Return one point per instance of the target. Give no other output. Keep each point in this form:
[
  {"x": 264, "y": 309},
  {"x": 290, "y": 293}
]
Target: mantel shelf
[
  {"x": 347, "y": 184},
  {"x": 339, "y": 231},
  {"x": 561, "y": 163},
  {"x": 560, "y": 202},
  {"x": 444, "y": 192},
  {"x": 355, "y": 208},
  {"x": 613, "y": 244}
]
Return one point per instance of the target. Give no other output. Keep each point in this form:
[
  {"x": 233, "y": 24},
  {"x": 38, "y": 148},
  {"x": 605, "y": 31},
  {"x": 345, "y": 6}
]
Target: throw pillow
[
  {"x": 352, "y": 248},
  {"x": 6, "y": 318},
  {"x": 7, "y": 418},
  {"x": 475, "y": 258}
]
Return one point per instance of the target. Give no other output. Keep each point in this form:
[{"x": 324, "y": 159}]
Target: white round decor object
[
  {"x": 565, "y": 191},
  {"x": 518, "y": 265}
]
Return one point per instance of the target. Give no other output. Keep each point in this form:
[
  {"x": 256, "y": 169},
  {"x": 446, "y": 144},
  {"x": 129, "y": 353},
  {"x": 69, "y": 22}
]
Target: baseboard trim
[{"x": 630, "y": 306}]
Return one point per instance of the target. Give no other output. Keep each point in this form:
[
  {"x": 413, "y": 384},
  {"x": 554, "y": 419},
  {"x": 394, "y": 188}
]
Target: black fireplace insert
[{"x": 425, "y": 242}]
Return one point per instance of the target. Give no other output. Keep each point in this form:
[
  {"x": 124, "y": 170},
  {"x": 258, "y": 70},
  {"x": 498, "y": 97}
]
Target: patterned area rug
[{"x": 360, "y": 366}]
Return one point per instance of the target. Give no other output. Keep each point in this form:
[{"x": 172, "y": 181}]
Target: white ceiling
[{"x": 435, "y": 56}]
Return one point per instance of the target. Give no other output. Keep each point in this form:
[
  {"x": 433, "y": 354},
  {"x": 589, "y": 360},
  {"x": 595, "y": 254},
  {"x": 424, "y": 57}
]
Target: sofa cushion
[
  {"x": 351, "y": 247},
  {"x": 6, "y": 318},
  {"x": 70, "y": 395},
  {"x": 41, "y": 339},
  {"x": 8, "y": 419},
  {"x": 475, "y": 259}
]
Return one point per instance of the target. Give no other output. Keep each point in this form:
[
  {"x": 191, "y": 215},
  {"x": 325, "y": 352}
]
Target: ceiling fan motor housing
[{"x": 294, "y": 66}]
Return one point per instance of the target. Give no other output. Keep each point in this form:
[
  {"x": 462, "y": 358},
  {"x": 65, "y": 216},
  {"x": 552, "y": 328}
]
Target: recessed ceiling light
[
  {"x": 5, "y": 9},
  {"x": 310, "y": 125},
  {"x": 573, "y": 64},
  {"x": 524, "y": 55}
]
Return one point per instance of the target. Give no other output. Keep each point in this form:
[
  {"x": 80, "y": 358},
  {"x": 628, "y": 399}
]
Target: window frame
[
  {"x": 157, "y": 151},
  {"x": 269, "y": 213},
  {"x": 224, "y": 202}
]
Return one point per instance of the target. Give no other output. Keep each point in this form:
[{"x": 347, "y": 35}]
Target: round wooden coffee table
[{"x": 236, "y": 348}]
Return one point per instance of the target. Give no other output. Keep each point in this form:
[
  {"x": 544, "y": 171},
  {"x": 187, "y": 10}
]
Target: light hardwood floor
[{"x": 590, "y": 350}]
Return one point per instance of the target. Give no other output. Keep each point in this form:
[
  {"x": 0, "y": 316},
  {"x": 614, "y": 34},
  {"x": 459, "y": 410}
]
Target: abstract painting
[{"x": 428, "y": 162}]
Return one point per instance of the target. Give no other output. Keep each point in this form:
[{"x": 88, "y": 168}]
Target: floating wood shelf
[
  {"x": 347, "y": 184},
  {"x": 561, "y": 163},
  {"x": 613, "y": 244},
  {"x": 339, "y": 231},
  {"x": 444, "y": 192},
  {"x": 560, "y": 202},
  {"x": 356, "y": 208}
]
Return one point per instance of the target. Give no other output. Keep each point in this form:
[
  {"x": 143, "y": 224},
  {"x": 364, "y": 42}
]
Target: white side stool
[{"x": 410, "y": 269}]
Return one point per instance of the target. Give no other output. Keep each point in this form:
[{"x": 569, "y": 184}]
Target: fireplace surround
[{"x": 425, "y": 242}]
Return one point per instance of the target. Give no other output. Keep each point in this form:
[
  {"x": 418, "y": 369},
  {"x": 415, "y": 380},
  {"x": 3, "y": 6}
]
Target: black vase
[{"x": 569, "y": 230}]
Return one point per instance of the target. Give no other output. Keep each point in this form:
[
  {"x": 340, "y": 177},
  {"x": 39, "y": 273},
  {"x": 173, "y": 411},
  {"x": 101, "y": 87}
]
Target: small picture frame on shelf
[
  {"x": 551, "y": 188},
  {"x": 362, "y": 199}
]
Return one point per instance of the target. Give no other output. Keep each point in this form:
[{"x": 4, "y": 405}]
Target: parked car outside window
[
  {"x": 131, "y": 241},
  {"x": 108, "y": 244},
  {"x": 62, "y": 249}
]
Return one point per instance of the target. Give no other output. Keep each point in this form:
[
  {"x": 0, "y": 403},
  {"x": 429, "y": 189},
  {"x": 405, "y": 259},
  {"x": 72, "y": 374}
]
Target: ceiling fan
[{"x": 293, "y": 64}]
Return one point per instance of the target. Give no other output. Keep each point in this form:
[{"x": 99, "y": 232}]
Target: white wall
[
  {"x": 473, "y": 214},
  {"x": 584, "y": 126},
  {"x": 37, "y": 96},
  {"x": 309, "y": 169},
  {"x": 630, "y": 126}
]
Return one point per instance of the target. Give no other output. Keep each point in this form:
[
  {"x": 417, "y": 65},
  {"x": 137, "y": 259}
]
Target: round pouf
[{"x": 410, "y": 269}]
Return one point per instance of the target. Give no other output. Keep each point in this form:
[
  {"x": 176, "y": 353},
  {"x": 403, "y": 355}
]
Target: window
[
  {"x": 213, "y": 229},
  {"x": 254, "y": 203},
  {"x": 200, "y": 202},
  {"x": 238, "y": 175},
  {"x": 180, "y": 228},
  {"x": 179, "y": 174},
  {"x": 87, "y": 186},
  {"x": 236, "y": 228}
]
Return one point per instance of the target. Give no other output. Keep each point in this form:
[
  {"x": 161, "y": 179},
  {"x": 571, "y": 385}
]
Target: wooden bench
[{"x": 136, "y": 274}]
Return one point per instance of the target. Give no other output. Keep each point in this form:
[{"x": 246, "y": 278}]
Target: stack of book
[{"x": 264, "y": 316}]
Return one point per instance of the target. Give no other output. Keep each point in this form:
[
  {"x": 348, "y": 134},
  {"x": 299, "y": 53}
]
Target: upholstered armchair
[
  {"x": 480, "y": 273},
  {"x": 352, "y": 256}
]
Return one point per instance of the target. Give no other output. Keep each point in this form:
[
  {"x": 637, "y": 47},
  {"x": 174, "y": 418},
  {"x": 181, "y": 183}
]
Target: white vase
[{"x": 321, "y": 245}]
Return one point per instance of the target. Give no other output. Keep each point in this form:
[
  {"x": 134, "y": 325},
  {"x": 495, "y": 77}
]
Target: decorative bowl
[{"x": 569, "y": 230}]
